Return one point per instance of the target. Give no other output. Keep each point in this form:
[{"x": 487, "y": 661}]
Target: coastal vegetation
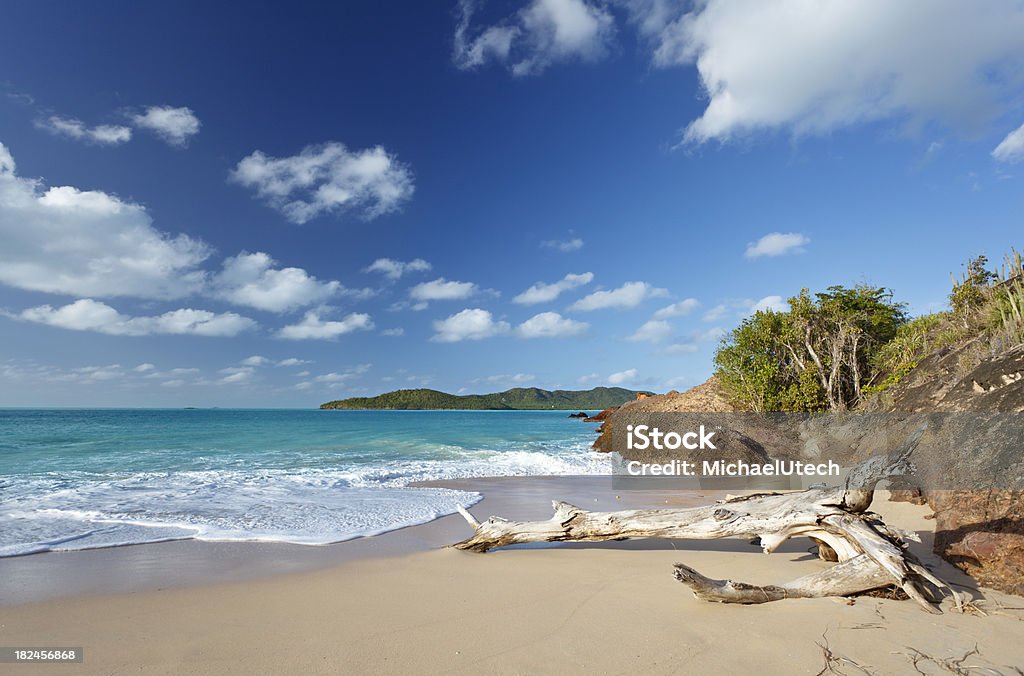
[
  {"x": 519, "y": 398},
  {"x": 834, "y": 349}
]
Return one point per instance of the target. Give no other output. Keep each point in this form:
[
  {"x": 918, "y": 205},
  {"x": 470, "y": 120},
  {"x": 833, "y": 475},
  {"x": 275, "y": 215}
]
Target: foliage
[
  {"x": 520, "y": 398},
  {"x": 969, "y": 292},
  {"x": 817, "y": 356},
  {"x": 912, "y": 342},
  {"x": 1006, "y": 303}
]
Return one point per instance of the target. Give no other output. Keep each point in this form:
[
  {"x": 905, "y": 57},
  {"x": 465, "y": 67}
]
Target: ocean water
[{"x": 78, "y": 479}]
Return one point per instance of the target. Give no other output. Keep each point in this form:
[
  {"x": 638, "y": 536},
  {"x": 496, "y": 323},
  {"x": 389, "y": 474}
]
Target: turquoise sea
[{"x": 77, "y": 479}]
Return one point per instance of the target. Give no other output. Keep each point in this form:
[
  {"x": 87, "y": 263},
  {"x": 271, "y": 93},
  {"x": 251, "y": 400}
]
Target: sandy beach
[{"x": 401, "y": 602}]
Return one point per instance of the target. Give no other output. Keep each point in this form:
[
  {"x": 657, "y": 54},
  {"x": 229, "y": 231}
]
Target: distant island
[{"x": 516, "y": 399}]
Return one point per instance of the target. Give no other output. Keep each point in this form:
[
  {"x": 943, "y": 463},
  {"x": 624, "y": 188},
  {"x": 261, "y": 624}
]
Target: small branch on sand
[{"x": 869, "y": 554}]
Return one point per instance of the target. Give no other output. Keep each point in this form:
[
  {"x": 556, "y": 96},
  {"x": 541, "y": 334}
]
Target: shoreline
[
  {"x": 399, "y": 601},
  {"x": 189, "y": 562}
]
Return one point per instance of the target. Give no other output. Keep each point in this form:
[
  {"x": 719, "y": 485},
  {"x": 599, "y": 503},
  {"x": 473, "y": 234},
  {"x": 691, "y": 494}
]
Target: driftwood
[{"x": 870, "y": 554}]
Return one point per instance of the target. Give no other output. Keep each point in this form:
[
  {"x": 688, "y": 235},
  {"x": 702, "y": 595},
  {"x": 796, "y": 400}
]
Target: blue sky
[{"x": 564, "y": 193}]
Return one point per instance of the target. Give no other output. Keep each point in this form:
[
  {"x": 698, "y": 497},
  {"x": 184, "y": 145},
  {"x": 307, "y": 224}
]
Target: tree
[
  {"x": 968, "y": 293},
  {"x": 816, "y": 356}
]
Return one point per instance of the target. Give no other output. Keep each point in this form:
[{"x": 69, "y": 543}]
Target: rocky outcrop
[
  {"x": 966, "y": 463},
  {"x": 957, "y": 380},
  {"x": 707, "y": 397},
  {"x": 979, "y": 531}
]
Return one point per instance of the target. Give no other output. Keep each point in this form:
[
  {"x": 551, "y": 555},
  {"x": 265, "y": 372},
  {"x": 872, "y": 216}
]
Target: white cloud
[
  {"x": 565, "y": 246},
  {"x": 236, "y": 374},
  {"x": 143, "y": 368},
  {"x": 104, "y": 134},
  {"x": 628, "y": 295},
  {"x": 393, "y": 333},
  {"x": 545, "y": 293},
  {"x": 693, "y": 344},
  {"x": 777, "y": 244},
  {"x": 327, "y": 178},
  {"x": 97, "y": 373},
  {"x": 469, "y": 324},
  {"x": 1011, "y": 148},
  {"x": 623, "y": 377},
  {"x": 770, "y": 304},
  {"x": 334, "y": 378},
  {"x": 251, "y": 279},
  {"x": 653, "y": 331},
  {"x": 442, "y": 289},
  {"x": 90, "y": 315},
  {"x": 550, "y": 325},
  {"x": 173, "y": 125},
  {"x": 259, "y": 360},
  {"x": 88, "y": 243},
  {"x": 716, "y": 314},
  {"x": 393, "y": 269},
  {"x": 543, "y": 33},
  {"x": 680, "y": 309},
  {"x": 712, "y": 335},
  {"x": 312, "y": 327},
  {"x": 815, "y": 67},
  {"x": 513, "y": 378}
]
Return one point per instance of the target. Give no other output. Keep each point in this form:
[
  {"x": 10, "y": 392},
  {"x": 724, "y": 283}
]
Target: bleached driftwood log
[{"x": 870, "y": 554}]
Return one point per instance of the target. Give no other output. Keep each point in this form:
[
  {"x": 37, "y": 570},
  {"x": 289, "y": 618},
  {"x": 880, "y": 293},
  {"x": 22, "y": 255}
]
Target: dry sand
[{"x": 600, "y": 608}]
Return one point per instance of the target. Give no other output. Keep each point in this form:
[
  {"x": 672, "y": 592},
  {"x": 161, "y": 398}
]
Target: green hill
[{"x": 519, "y": 398}]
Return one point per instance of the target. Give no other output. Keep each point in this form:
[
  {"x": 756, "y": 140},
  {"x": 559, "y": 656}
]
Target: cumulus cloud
[
  {"x": 623, "y": 377},
  {"x": 1011, "y": 148},
  {"x": 469, "y": 324},
  {"x": 442, "y": 289},
  {"x": 550, "y": 325},
  {"x": 393, "y": 333},
  {"x": 545, "y": 293},
  {"x": 234, "y": 375},
  {"x": 174, "y": 125},
  {"x": 716, "y": 314},
  {"x": 393, "y": 269},
  {"x": 770, "y": 304},
  {"x": 259, "y": 360},
  {"x": 512, "y": 378},
  {"x": 251, "y": 279},
  {"x": 333, "y": 379},
  {"x": 88, "y": 243},
  {"x": 90, "y": 315},
  {"x": 711, "y": 335},
  {"x": 541, "y": 34},
  {"x": 312, "y": 327},
  {"x": 814, "y": 67},
  {"x": 327, "y": 178},
  {"x": 777, "y": 244},
  {"x": 628, "y": 295},
  {"x": 336, "y": 377},
  {"x": 653, "y": 331},
  {"x": 680, "y": 309},
  {"x": 104, "y": 134},
  {"x": 563, "y": 245}
]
